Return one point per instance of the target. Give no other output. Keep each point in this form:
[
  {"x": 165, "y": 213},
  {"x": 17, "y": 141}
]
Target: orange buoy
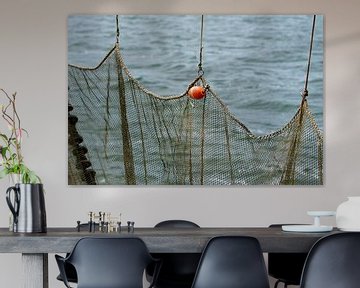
[{"x": 197, "y": 92}]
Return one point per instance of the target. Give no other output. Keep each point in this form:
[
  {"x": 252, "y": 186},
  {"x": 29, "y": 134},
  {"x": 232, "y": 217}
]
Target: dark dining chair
[
  {"x": 232, "y": 262},
  {"x": 333, "y": 262},
  {"x": 178, "y": 269},
  {"x": 108, "y": 263},
  {"x": 286, "y": 267},
  {"x": 70, "y": 271}
]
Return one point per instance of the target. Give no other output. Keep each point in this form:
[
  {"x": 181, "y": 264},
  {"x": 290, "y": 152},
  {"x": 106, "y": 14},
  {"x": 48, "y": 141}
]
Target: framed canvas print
[{"x": 195, "y": 100}]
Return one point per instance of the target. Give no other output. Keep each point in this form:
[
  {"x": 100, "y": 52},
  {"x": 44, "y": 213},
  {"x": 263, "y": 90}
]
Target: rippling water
[{"x": 256, "y": 64}]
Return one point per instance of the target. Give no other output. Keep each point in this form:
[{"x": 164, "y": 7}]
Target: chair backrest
[
  {"x": 232, "y": 262},
  {"x": 286, "y": 267},
  {"x": 176, "y": 224},
  {"x": 110, "y": 262},
  {"x": 333, "y": 262},
  {"x": 178, "y": 269}
]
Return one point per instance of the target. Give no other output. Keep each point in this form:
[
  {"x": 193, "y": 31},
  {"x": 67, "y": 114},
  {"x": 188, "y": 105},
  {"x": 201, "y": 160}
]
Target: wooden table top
[{"x": 158, "y": 240}]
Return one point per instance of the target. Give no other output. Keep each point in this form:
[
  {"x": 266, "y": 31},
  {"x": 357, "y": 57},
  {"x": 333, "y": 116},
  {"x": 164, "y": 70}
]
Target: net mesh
[{"x": 121, "y": 133}]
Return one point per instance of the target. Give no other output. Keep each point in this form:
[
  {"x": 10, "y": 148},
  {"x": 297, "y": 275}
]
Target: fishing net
[{"x": 121, "y": 133}]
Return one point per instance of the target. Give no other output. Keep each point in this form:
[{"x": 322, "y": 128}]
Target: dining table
[{"x": 35, "y": 247}]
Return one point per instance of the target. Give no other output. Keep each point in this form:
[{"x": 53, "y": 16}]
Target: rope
[
  {"x": 201, "y": 71},
  {"x": 117, "y": 29},
  {"x": 305, "y": 91}
]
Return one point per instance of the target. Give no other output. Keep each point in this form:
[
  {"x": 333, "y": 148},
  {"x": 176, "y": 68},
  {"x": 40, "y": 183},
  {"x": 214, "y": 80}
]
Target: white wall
[{"x": 33, "y": 62}]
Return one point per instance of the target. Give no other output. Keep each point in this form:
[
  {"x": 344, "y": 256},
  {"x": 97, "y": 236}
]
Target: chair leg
[{"x": 279, "y": 281}]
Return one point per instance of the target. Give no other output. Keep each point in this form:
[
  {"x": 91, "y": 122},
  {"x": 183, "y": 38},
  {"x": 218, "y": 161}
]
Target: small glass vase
[{"x": 13, "y": 179}]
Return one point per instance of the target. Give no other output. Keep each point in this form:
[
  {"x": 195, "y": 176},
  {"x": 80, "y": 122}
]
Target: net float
[{"x": 197, "y": 92}]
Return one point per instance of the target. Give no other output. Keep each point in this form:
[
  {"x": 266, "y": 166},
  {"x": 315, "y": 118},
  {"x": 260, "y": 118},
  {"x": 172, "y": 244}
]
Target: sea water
[{"x": 255, "y": 63}]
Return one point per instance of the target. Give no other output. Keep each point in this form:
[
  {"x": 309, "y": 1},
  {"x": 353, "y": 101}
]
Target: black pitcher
[{"x": 28, "y": 207}]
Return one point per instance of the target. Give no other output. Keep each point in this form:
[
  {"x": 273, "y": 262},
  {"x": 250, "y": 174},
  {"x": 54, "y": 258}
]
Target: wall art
[{"x": 195, "y": 100}]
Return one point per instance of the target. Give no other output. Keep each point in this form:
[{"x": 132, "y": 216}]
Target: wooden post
[{"x": 35, "y": 270}]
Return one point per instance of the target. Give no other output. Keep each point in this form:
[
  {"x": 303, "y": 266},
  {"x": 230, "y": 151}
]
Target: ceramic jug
[
  {"x": 348, "y": 214},
  {"x": 27, "y": 207}
]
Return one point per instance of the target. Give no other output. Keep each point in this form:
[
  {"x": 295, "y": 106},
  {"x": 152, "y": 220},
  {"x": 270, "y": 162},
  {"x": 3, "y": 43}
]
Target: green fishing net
[{"x": 121, "y": 133}]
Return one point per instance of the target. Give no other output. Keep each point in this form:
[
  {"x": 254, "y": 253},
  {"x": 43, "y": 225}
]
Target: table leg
[{"x": 35, "y": 270}]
